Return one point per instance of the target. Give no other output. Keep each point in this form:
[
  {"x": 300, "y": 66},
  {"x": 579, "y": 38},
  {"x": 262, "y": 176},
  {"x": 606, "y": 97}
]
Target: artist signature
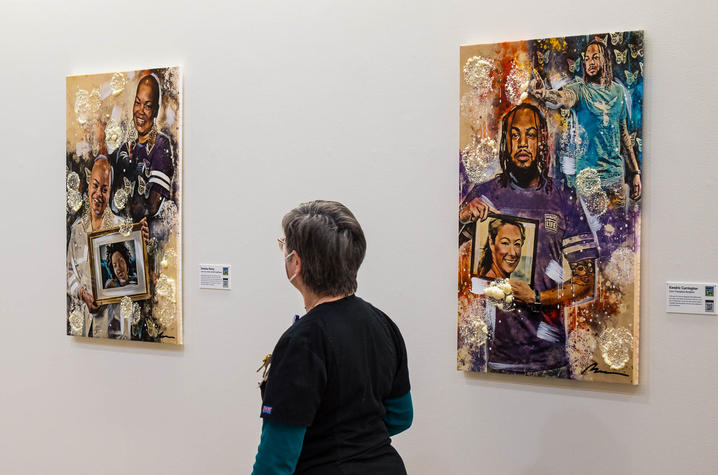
[{"x": 593, "y": 368}]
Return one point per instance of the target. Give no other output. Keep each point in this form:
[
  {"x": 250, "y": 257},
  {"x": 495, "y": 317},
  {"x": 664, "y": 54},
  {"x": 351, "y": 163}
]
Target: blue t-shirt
[{"x": 600, "y": 112}]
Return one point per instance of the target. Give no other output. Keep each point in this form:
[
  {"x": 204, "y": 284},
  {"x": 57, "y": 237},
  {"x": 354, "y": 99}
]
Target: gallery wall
[{"x": 357, "y": 102}]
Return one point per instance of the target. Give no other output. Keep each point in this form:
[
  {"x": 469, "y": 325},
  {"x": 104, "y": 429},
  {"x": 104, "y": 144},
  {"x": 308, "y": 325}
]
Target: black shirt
[{"x": 331, "y": 372}]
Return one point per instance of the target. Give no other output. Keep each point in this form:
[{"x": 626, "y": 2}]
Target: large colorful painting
[
  {"x": 550, "y": 207},
  {"x": 123, "y": 177}
]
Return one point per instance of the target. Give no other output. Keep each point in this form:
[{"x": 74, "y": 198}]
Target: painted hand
[
  {"x": 475, "y": 209},
  {"x": 89, "y": 300},
  {"x": 522, "y": 291},
  {"x": 145, "y": 230},
  {"x": 636, "y": 187}
]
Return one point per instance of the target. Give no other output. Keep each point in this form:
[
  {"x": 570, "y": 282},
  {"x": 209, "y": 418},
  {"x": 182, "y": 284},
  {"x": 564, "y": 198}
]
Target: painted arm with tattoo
[
  {"x": 580, "y": 286},
  {"x": 566, "y": 99},
  {"x": 631, "y": 161}
]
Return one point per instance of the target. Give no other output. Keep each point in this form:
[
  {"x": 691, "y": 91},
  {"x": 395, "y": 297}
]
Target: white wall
[{"x": 358, "y": 102}]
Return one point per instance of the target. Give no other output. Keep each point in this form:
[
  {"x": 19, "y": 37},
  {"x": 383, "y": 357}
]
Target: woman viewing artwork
[{"x": 338, "y": 384}]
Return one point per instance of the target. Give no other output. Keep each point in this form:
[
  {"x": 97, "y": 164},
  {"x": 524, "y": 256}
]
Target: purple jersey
[
  {"x": 526, "y": 339},
  {"x": 150, "y": 166}
]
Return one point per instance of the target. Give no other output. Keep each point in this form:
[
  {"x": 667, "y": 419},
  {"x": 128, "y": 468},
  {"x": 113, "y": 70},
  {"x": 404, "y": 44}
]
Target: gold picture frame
[{"x": 106, "y": 287}]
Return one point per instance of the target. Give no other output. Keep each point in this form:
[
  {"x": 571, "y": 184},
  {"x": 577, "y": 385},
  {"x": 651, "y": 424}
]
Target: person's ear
[{"x": 298, "y": 261}]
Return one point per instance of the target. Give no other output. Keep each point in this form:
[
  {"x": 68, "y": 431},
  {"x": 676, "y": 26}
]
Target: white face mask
[{"x": 285, "y": 260}]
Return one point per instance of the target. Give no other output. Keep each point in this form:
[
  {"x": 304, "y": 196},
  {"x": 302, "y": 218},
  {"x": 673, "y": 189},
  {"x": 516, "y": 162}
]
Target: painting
[
  {"x": 123, "y": 182},
  {"x": 551, "y": 144}
]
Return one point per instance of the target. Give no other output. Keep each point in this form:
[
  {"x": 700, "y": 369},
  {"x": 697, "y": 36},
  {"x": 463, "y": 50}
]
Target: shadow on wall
[{"x": 564, "y": 387}]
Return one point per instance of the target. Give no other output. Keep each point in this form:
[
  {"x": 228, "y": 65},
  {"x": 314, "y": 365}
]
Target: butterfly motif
[
  {"x": 127, "y": 183},
  {"x": 621, "y": 57},
  {"x": 572, "y": 64},
  {"x": 543, "y": 57},
  {"x": 639, "y": 141},
  {"x": 616, "y": 38},
  {"x": 88, "y": 173},
  {"x": 141, "y": 185},
  {"x": 636, "y": 51},
  {"x": 564, "y": 112},
  {"x": 631, "y": 77},
  {"x": 603, "y": 40}
]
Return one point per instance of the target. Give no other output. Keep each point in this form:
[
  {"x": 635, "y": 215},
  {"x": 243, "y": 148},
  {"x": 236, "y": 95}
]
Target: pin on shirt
[{"x": 266, "y": 362}]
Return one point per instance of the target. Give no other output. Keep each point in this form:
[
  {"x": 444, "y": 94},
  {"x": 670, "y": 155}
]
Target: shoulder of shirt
[
  {"x": 162, "y": 137},
  {"x": 489, "y": 184},
  {"x": 379, "y": 312},
  {"x": 77, "y": 225},
  {"x": 304, "y": 328},
  {"x": 620, "y": 88},
  {"x": 577, "y": 82}
]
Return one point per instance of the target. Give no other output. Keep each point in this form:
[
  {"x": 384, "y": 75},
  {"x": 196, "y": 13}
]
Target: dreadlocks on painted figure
[
  {"x": 523, "y": 152},
  {"x": 531, "y": 338}
]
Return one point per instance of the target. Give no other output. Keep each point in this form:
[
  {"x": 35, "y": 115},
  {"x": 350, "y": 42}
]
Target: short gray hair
[{"x": 330, "y": 242}]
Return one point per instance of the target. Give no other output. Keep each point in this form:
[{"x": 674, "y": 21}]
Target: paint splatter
[
  {"x": 480, "y": 159},
  {"x": 616, "y": 345},
  {"x": 478, "y": 73}
]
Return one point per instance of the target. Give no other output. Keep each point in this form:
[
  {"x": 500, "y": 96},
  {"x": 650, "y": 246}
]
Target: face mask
[{"x": 285, "y": 260}]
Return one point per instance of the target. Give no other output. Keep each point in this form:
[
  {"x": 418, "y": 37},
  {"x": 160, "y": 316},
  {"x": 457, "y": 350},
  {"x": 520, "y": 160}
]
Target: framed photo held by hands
[{"x": 118, "y": 265}]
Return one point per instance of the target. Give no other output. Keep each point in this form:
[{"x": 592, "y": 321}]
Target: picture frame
[
  {"x": 110, "y": 282},
  {"x": 517, "y": 269}
]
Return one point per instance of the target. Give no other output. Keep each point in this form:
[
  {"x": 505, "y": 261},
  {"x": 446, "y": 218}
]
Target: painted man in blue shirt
[{"x": 601, "y": 108}]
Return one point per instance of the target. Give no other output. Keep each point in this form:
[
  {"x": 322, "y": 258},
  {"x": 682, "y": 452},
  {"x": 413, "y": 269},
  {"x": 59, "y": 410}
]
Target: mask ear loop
[{"x": 287, "y": 257}]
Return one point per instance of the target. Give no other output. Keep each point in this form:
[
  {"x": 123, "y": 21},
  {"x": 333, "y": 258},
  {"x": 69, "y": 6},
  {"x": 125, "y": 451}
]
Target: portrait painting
[
  {"x": 123, "y": 182},
  {"x": 118, "y": 265},
  {"x": 551, "y": 151},
  {"x": 504, "y": 248}
]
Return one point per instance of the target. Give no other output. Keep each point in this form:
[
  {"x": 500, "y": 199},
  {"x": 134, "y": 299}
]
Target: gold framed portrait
[{"x": 118, "y": 265}]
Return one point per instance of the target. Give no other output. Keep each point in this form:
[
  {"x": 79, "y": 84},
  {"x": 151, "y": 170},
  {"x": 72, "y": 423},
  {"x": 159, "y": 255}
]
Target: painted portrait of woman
[{"x": 501, "y": 252}]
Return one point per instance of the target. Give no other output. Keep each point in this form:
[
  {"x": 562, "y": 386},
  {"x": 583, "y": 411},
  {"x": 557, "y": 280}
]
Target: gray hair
[{"x": 330, "y": 242}]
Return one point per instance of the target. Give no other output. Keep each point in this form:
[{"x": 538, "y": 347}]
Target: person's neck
[
  {"x": 528, "y": 182},
  {"x": 143, "y": 138},
  {"x": 496, "y": 272},
  {"x": 311, "y": 300},
  {"x": 96, "y": 220},
  {"x": 596, "y": 80}
]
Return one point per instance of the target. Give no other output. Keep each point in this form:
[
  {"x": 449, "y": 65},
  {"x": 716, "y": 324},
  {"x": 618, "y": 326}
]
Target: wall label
[
  {"x": 215, "y": 276},
  {"x": 690, "y": 297}
]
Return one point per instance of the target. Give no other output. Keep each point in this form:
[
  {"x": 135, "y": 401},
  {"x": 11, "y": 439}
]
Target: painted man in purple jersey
[
  {"x": 147, "y": 162},
  {"x": 532, "y": 337}
]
